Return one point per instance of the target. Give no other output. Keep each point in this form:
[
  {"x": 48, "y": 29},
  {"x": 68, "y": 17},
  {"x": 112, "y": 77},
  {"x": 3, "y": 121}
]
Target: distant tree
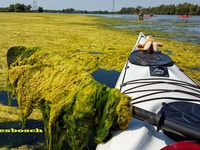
[
  {"x": 139, "y": 8},
  {"x": 19, "y": 7},
  {"x": 123, "y": 10},
  {"x": 198, "y": 10},
  {"x": 129, "y": 10},
  {"x": 166, "y": 10},
  {"x": 161, "y": 9},
  {"x": 11, "y": 8},
  {"x": 4, "y": 9},
  {"x": 186, "y": 7},
  {"x": 28, "y": 8},
  {"x": 192, "y": 9},
  {"x": 172, "y": 9},
  {"x": 69, "y": 10},
  {"x": 179, "y": 9},
  {"x": 40, "y": 9}
]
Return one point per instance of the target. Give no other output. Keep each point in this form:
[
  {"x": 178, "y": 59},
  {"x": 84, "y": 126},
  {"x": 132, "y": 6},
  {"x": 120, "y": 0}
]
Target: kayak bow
[{"x": 163, "y": 96}]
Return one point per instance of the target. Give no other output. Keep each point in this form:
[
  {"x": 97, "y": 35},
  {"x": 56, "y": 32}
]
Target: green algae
[
  {"x": 60, "y": 33},
  {"x": 65, "y": 42},
  {"x": 73, "y": 104},
  {"x": 8, "y": 114}
]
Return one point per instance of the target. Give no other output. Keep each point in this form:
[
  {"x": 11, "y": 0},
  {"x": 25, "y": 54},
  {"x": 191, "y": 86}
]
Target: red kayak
[
  {"x": 149, "y": 16},
  {"x": 184, "y": 16}
]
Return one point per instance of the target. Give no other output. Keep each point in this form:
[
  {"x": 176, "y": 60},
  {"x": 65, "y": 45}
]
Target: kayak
[
  {"x": 140, "y": 17},
  {"x": 166, "y": 104},
  {"x": 150, "y": 16},
  {"x": 184, "y": 16}
]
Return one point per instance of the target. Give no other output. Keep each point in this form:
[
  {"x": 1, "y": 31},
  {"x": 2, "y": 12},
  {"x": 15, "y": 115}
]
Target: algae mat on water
[
  {"x": 73, "y": 104},
  {"x": 59, "y": 69},
  {"x": 60, "y": 33}
]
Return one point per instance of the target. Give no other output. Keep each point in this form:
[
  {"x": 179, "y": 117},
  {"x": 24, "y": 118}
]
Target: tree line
[
  {"x": 18, "y": 7},
  {"x": 180, "y": 9}
]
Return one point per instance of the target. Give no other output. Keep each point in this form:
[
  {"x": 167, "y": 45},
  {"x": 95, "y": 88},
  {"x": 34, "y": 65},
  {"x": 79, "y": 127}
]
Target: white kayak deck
[{"x": 149, "y": 92}]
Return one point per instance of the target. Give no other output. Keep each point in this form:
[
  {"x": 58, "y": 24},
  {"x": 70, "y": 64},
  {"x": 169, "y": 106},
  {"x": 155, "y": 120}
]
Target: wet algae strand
[{"x": 73, "y": 104}]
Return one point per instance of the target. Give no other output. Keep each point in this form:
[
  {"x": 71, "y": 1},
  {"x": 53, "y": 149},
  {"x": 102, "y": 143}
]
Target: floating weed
[
  {"x": 56, "y": 77},
  {"x": 73, "y": 104},
  {"x": 8, "y": 113}
]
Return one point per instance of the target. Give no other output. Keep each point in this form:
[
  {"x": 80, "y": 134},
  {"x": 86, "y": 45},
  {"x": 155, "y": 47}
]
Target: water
[
  {"x": 95, "y": 53},
  {"x": 169, "y": 52},
  {"x": 107, "y": 77},
  {"x": 11, "y": 133},
  {"x": 196, "y": 69},
  {"x": 181, "y": 29},
  {"x": 4, "y": 99}
]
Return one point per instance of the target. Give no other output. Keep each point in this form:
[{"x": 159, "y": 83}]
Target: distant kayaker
[
  {"x": 141, "y": 15},
  {"x": 149, "y": 44}
]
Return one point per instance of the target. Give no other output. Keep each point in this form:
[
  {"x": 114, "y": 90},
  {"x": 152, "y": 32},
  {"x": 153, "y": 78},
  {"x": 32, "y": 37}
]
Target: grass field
[{"x": 74, "y": 36}]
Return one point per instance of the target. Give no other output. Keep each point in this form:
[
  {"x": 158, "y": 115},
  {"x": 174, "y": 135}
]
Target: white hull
[{"x": 140, "y": 135}]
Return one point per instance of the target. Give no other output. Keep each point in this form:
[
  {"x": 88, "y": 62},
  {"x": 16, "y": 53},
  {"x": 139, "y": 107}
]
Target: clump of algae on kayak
[{"x": 73, "y": 104}]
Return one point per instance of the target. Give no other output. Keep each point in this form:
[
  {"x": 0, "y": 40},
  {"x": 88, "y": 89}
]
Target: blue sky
[{"x": 95, "y": 4}]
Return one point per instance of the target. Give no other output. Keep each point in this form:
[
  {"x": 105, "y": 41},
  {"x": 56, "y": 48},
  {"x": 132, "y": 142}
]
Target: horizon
[{"x": 91, "y": 5}]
